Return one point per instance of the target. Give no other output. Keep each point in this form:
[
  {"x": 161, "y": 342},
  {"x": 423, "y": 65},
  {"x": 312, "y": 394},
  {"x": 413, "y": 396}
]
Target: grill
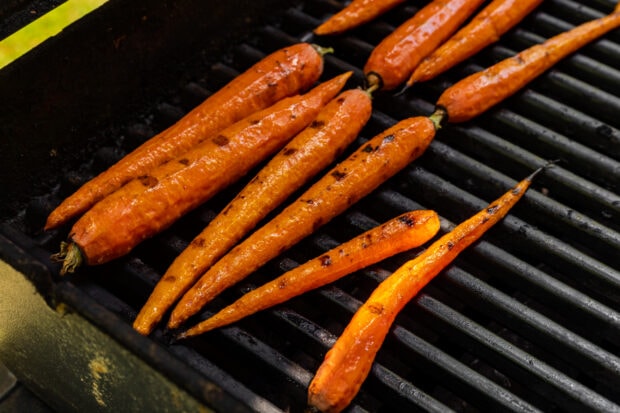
[{"x": 527, "y": 319}]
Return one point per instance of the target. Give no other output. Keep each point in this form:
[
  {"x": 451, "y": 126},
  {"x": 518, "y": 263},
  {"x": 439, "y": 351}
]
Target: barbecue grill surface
[{"x": 527, "y": 319}]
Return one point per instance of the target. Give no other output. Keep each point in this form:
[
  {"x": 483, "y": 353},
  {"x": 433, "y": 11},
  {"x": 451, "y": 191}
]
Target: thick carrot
[
  {"x": 354, "y": 15},
  {"x": 312, "y": 150},
  {"x": 402, "y": 233},
  {"x": 479, "y": 92},
  {"x": 347, "y": 363},
  {"x": 485, "y": 28},
  {"x": 150, "y": 203},
  {"x": 393, "y": 60},
  {"x": 283, "y": 73},
  {"x": 369, "y": 166}
]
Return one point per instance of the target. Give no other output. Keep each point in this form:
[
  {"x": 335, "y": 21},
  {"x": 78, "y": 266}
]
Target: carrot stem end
[{"x": 70, "y": 256}]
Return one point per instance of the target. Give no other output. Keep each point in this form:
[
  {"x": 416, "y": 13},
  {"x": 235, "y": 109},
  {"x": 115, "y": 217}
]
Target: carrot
[
  {"x": 355, "y": 14},
  {"x": 283, "y": 73},
  {"x": 476, "y": 93},
  {"x": 335, "y": 127},
  {"x": 485, "y": 28},
  {"x": 393, "y": 60},
  {"x": 347, "y": 363},
  {"x": 404, "y": 232},
  {"x": 150, "y": 203},
  {"x": 350, "y": 180}
]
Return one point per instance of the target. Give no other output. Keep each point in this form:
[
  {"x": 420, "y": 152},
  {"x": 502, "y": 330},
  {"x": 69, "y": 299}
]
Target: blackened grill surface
[{"x": 526, "y": 320}]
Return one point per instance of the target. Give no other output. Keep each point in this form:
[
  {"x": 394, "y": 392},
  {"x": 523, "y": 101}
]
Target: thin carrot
[
  {"x": 485, "y": 28},
  {"x": 312, "y": 150},
  {"x": 347, "y": 363},
  {"x": 402, "y": 233},
  {"x": 393, "y": 60},
  {"x": 369, "y": 166},
  {"x": 150, "y": 203},
  {"x": 354, "y": 15},
  {"x": 286, "y": 72},
  {"x": 477, "y": 93}
]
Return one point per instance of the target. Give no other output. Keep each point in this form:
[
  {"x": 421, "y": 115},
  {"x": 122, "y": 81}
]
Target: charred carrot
[
  {"x": 365, "y": 169},
  {"x": 485, "y": 28},
  {"x": 283, "y": 73},
  {"x": 482, "y": 90},
  {"x": 150, "y": 203},
  {"x": 312, "y": 150},
  {"x": 347, "y": 363},
  {"x": 354, "y": 15},
  {"x": 402, "y": 233},
  {"x": 393, "y": 60}
]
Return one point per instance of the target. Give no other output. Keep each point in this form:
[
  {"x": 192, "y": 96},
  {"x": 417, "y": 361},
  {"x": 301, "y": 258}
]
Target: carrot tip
[
  {"x": 547, "y": 165},
  {"x": 70, "y": 256},
  {"x": 403, "y": 90}
]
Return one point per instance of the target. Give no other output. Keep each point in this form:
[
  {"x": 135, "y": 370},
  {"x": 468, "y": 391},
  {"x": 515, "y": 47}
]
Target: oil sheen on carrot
[
  {"x": 353, "y": 178},
  {"x": 354, "y": 15},
  {"x": 152, "y": 202},
  {"x": 312, "y": 150},
  {"x": 393, "y": 60},
  {"x": 477, "y": 93},
  {"x": 485, "y": 28},
  {"x": 285, "y": 72},
  {"x": 402, "y": 233},
  {"x": 348, "y": 362}
]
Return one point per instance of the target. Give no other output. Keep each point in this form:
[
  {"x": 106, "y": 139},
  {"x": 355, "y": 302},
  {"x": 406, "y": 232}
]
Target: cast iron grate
[{"x": 526, "y": 320}]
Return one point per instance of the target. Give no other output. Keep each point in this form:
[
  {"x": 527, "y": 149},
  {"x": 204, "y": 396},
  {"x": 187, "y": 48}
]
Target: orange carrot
[
  {"x": 335, "y": 127},
  {"x": 347, "y": 363},
  {"x": 477, "y": 93},
  {"x": 368, "y": 167},
  {"x": 485, "y": 28},
  {"x": 283, "y": 73},
  {"x": 355, "y": 14},
  {"x": 150, "y": 203},
  {"x": 393, "y": 60},
  {"x": 402, "y": 233}
]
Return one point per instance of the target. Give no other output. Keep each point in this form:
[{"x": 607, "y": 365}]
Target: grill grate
[{"x": 526, "y": 320}]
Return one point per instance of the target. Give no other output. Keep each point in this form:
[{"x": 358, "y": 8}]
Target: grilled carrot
[
  {"x": 347, "y": 363},
  {"x": 393, "y": 60},
  {"x": 404, "y": 232},
  {"x": 355, "y": 14},
  {"x": 335, "y": 127},
  {"x": 150, "y": 203},
  {"x": 283, "y": 73},
  {"x": 485, "y": 28},
  {"x": 478, "y": 92},
  {"x": 350, "y": 180}
]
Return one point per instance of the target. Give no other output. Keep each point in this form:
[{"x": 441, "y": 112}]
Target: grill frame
[{"x": 465, "y": 167}]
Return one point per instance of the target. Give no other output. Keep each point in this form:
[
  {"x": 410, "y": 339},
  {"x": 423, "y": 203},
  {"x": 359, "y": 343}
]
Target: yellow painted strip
[{"x": 48, "y": 25}]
